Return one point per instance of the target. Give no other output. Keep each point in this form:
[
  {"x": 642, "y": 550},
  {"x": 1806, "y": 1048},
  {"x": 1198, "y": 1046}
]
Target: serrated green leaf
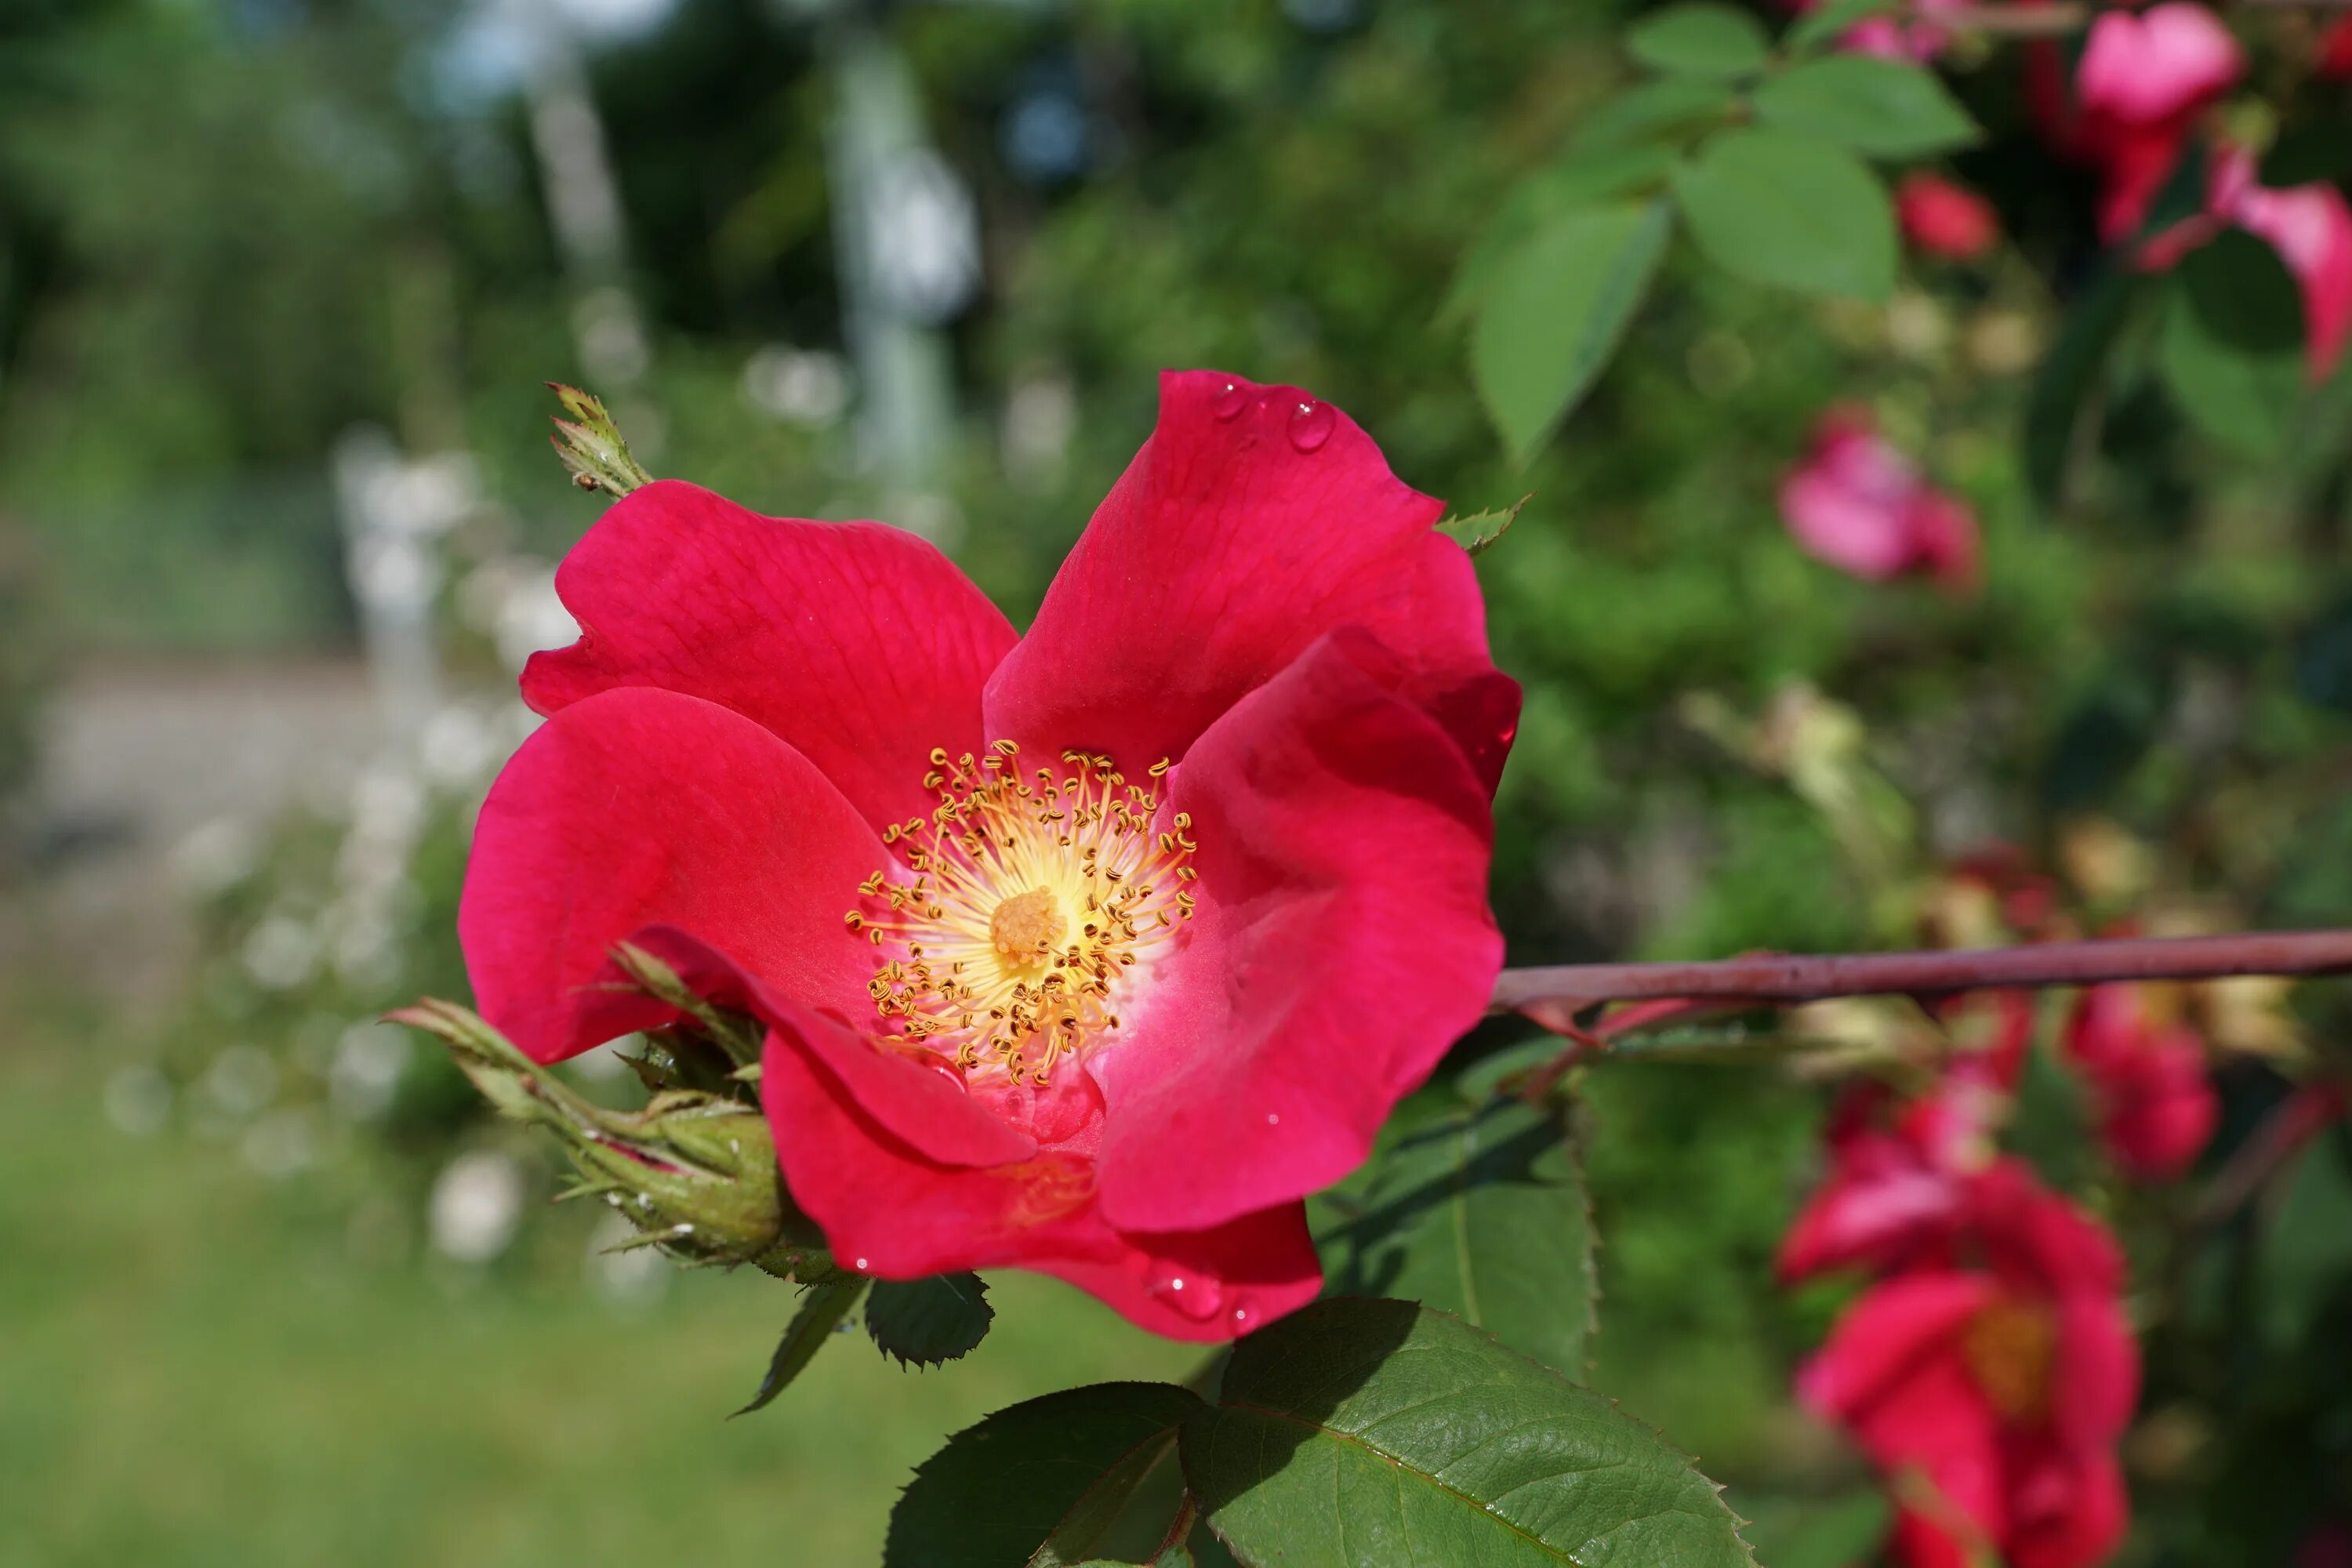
[
  {"x": 1543, "y": 198},
  {"x": 1665, "y": 109},
  {"x": 1879, "y": 108},
  {"x": 2232, "y": 345},
  {"x": 1036, "y": 1485},
  {"x": 928, "y": 1321},
  {"x": 1790, "y": 210},
  {"x": 1826, "y": 24},
  {"x": 1481, "y": 530},
  {"x": 1700, "y": 40},
  {"x": 1554, "y": 312},
  {"x": 1365, "y": 1433},
  {"x": 824, "y": 1308},
  {"x": 1481, "y": 1211}
]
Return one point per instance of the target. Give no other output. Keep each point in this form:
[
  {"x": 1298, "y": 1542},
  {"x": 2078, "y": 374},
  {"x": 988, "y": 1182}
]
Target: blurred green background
[{"x": 279, "y": 282}]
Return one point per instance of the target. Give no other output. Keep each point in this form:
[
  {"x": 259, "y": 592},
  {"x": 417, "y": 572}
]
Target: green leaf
[
  {"x": 1366, "y": 1433},
  {"x": 928, "y": 1321},
  {"x": 2231, "y": 344},
  {"x": 1827, "y": 24},
  {"x": 2305, "y": 1273},
  {"x": 1481, "y": 530},
  {"x": 1881, "y": 109},
  {"x": 1542, "y": 199},
  {"x": 1655, "y": 111},
  {"x": 1556, "y": 311},
  {"x": 1039, "y": 1484},
  {"x": 1792, "y": 211},
  {"x": 1481, "y": 1211},
  {"x": 2064, "y": 388},
  {"x": 1817, "y": 1533},
  {"x": 824, "y": 1308},
  {"x": 1701, "y": 40}
]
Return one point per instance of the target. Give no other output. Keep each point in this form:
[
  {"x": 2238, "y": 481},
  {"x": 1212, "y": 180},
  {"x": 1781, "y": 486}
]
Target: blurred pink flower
[
  {"x": 1943, "y": 218},
  {"x": 1859, "y": 505},
  {"x": 2146, "y": 1078},
  {"x": 1920, "y": 34},
  {"x": 2310, "y": 226},
  {"x": 2335, "y": 51},
  {"x": 2144, "y": 78}
]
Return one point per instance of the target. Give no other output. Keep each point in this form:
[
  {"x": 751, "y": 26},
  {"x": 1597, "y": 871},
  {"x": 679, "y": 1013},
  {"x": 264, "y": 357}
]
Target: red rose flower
[
  {"x": 1897, "y": 1189},
  {"x": 2336, "y": 50},
  {"x": 1943, "y": 218},
  {"x": 1861, "y": 505},
  {"x": 2144, "y": 78},
  {"x": 1993, "y": 1392},
  {"x": 2146, "y": 1078},
  {"x": 1090, "y": 952}
]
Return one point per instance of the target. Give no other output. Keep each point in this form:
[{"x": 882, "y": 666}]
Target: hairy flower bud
[{"x": 695, "y": 1172}]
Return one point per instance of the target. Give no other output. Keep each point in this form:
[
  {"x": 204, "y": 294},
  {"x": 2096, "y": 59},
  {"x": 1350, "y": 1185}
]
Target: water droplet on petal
[
  {"x": 1242, "y": 1318},
  {"x": 859, "y": 1265},
  {"x": 1273, "y": 1118},
  {"x": 1196, "y": 1297},
  {"x": 1311, "y": 424},
  {"x": 1231, "y": 399}
]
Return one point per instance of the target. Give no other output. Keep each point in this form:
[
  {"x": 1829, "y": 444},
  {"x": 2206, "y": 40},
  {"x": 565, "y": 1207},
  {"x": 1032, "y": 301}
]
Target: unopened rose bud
[
  {"x": 592, "y": 446},
  {"x": 696, "y": 1173}
]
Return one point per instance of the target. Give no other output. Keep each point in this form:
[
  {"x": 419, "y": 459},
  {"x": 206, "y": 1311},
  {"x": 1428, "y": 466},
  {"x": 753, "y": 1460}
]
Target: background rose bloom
[
  {"x": 1993, "y": 1392},
  {"x": 1091, "y": 952},
  {"x": 2147, "y": 1080},
  {"x": 2144, "y": 78},
  {"x": 1944, "y": 217},
  {"x": 1860, "y": 505}
]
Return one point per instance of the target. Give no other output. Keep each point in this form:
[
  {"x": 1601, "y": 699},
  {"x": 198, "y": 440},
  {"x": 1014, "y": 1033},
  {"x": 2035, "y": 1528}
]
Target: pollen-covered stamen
[
  {"x": 2009, "y": 1347},
  {"x": 1031, "y": 901}
]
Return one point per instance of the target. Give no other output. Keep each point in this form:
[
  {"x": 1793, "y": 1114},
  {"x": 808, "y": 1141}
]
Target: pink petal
[
  {"x": 1847, "y": 504},
  {"x": 640, "y": 807},
  {"x": 2069, "y": 1510},
  {"x": 2311, "y": 228},
  {"x": 887, "y": 1210},
  {"x": 1944, "y": 217},
  {"x": 860, "y": 645},
  {"x": 910, "y": 1095},
  {"x": 1892, "y": 1331},
  {"x": 2096, "y": 1374},
  {"x": 1255, "y": 521},
  {"x": 2157, "y": 65},
  {"x": 1343, "y": 943}
]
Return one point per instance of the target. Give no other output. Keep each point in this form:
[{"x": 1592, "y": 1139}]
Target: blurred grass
[{"x": 190, "y": 1375}]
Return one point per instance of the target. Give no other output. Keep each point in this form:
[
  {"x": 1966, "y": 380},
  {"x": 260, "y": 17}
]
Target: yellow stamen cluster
[
  {"x": 1031, "y": 897},
  {"x": 2009, "y": 1347}
]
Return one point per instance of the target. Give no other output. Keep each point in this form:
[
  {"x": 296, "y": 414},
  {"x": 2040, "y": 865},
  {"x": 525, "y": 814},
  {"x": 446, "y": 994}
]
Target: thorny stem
[{"x": 1783, "y": 978}]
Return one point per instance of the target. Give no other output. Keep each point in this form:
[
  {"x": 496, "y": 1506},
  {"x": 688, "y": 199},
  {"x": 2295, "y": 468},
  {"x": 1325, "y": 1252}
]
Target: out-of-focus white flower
[
  {"x": 459, "y": 745},
  {"x": 280, "y": 1144},
  {"x": 477, "y": 1204},
  {"x": 800, "y": 386},
  {"x": 241, "y": 1080},
  {"x": 636, "y": 1278},
  {"x": 215, "y": 857},
  {"x": 365, "y": 1074},
  {"x": 280, "y": 953},
  {"x": 531, "y": 617},
  {"x": 138, "y": 1100}
]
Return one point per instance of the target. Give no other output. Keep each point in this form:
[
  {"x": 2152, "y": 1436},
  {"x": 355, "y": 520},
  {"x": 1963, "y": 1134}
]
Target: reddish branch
[{"x": 1775, "y": 979}]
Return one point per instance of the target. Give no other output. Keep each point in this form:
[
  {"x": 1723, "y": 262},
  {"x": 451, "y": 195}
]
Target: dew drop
[
  {"x": 858, "y": 1264},
  {"x": 1195, "y": 1297},
  {"x": 1242, "y": 1318},
  {"x": 1231, "y": 399},
  {"x": 1273, "y": 1118},
  {"x": 1311, "y": 425}
]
